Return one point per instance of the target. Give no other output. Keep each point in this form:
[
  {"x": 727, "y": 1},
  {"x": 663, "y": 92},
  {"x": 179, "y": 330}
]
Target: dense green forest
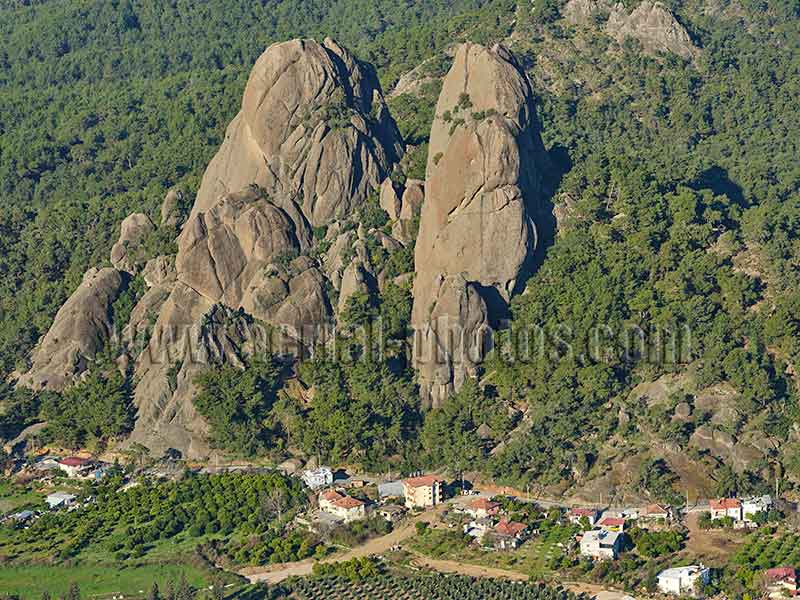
[{"x": 677, "y": 181}]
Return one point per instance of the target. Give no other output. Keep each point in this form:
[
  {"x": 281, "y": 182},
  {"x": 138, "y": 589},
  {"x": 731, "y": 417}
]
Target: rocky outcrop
[
  {"x": 79, "y": 331},
  {"x": 124, "y": 255},
  {"x": 476, "y": 231},
  {"x": 313, "y": 129},
  {"x": 650, "y": 22}
]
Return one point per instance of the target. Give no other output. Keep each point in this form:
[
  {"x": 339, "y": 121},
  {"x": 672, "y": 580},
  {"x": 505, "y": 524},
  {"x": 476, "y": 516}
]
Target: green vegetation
[
  {"x": 240, "y": 517},
  {"x": 237, "y": 403}
]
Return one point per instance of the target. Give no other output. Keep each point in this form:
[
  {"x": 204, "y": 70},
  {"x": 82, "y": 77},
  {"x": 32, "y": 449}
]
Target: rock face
[
  {"x": 312, "y": 141},
  {"x": 80, "y": 330},
  {"x": 476, "y": 232},
  {"x": 650, "y": 22},
  {"x": 313, "y": 129},
  {"x": 134, "y": 229}
]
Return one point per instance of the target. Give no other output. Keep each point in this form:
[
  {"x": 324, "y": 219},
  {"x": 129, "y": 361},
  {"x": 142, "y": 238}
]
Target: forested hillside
[{"x": 674, "y": 181}]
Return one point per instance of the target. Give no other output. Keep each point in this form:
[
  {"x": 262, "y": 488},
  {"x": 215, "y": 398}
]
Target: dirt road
[
  {"x": 451, "y": 566},
  {"x": 277, "y": 573}
]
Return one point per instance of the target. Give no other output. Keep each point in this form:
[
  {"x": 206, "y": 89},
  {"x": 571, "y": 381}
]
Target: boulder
[
  {"x": 389, "y": 200},
  {"x": 313, "y": 127},
  {"x": 477, "y": 232},
  {"x": 171, "y": 209},
  {"x": 82, "y": 328},
  {"x": 651, "y": 23},
  {"x": 133, "y": 230}
]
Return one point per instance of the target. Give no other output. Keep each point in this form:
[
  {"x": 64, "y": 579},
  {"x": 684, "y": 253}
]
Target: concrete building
[
  {"x": 392, "y": 512},
  {"x": 753, "y": 506},
  {"x": 60, "y": 500},
  {"x": 682, "y": 581},
  {"x": 318, "y": 478},
  {"x": 599, "y": 543},
  {"x": 422, "y": 492},
  {"x": 390, "y": 489}
]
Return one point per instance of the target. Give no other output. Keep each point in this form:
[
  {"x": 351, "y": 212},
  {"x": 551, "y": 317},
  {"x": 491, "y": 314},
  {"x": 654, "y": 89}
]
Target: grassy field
[
  {"x": 531, "y": 558},
  {"x": 14, "y": 497},
  {"x": 98, "y": 581}
]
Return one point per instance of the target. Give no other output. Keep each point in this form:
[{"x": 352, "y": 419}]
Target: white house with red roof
[
  {"x": 508, "y": 535},
  {"x": 615, "y": 524},
  {"x": 423, "y": 492},
  {"x": 74, "y": 466},
  {"x": 655, "y": 512},
  {"x": 342, "y": 506},
  {"x": 726, "y": 507},
  {"x": 481, "y": 508},
  {"x": 576, "y": 514},
  {"x": 781, "y": 582}
]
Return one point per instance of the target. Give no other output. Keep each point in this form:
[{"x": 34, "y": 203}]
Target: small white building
[
  {"x": 600, "y": 543},
  {"x": 318, "y": 478},
  {"x": 576, "y": 514},
  {"x": 392, "y": 512},
  {"x": 753, "y": 506},
  {"x": 682, "y": 581},
  {"x": 477, "y": 528},
  {"x": 74, "y": 466},
  {"x": 60, "y": 500}
]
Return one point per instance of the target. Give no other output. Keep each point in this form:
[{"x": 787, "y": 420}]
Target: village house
[
  {"x": 392, "y": 512},
  {"x": 682, "y": 581},
  {"x": 74, "y": 466},
  {"x": 600, "y": 543},
  {"x": 754, "y": 506},
  {"x": 726, "y": 507},
  {"x": 21, "y": 517},
  {"x": 422, "y": 492},
  {"x": 318, "y": 478},
  {"x": 478, "y": 528},
  {"x": 508, "y": 535},
  {"x": 390, "y": 489},
  {"x": 655, "y": 512},
  {"x": 576, "y": 514},
  {"x": 60, "y": 500},
  {"x": 483, "y": 507},
  {"x": 341, "y": 506},
  {"x": 781, "y": 582},
  {"x": 613, "y": 524}
]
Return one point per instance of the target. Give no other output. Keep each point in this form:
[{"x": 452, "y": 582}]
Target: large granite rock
[
  {"x": 124, "y": 255},
  {"x": 79, "y": 331},
  {"x": 313, "y": 127},
  {"x": 476, "y": 231},
  {"x": 650, "y": 22}
]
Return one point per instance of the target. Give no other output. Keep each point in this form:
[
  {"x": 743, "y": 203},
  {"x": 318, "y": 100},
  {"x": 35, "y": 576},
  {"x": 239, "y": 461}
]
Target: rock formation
[
  {"x": 476, "y": 232},
  {"x": 80, "y": 330},
  {"x": 650, "y": 22},
  {"x": 312, "y": 141},
  {"x": 134, "y": 229},
  {"x": 313, "y": 130}
]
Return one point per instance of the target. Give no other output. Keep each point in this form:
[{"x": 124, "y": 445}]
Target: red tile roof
[
  {"x": 655, "y": 509},
  {"x": 511, "y": 528},
  {"x": 583, "y": 512},
  {"x": 612, "y": 522},
  {"x": 782, "y": 574},
  {"x": 74, "y": 461},
  {"x": 725, "y": 503},
  {"x": 484, "y": 504},
  {"x": 331, "y": 495},
  {"x": 348, "y": 502},
  {"x": 424, "y": 481}
]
